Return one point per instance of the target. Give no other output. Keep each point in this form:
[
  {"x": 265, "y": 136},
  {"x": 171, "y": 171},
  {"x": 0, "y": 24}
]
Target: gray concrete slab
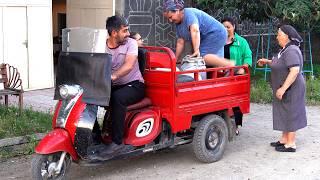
[{"x": 38, "y": 100}]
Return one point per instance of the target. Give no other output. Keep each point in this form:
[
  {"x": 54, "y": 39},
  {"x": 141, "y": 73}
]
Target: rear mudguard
[{"x": 56, "y": 141}]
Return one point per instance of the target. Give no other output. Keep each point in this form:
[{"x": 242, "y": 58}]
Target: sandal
[
  {"x": 276, "y": 144},
  {"x": 286, "y": 149}
]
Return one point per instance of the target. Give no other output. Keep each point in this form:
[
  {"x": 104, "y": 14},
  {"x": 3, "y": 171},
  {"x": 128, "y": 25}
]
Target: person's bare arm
[
  {"x": 264, "y": 61},
  {"x": 195, "y": 38},
  {"x": 179, "y": 47},
  {"x": 293, "y": 73},
  {"x": 125, "y": 68}
]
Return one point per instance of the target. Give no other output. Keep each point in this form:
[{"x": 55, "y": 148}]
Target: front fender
[{"x": 56, "y": 141}]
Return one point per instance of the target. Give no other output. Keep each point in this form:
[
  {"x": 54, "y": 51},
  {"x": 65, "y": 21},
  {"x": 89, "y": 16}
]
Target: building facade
[{"x": 31, "y": 30}]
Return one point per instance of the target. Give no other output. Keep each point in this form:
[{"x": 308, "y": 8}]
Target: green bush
[
  {"x": 261, "y": 91},
  {"x": 313, "y": 92},
  {"x": 316, "y": 70}
]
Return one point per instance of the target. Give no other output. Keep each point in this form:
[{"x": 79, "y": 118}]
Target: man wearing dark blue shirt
[{"x": 207, "y": 35}]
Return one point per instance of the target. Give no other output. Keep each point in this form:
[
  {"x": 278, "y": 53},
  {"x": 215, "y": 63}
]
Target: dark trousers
[
  {"x": 121, "y": 97},
  {"x": 237, "y": 116}
]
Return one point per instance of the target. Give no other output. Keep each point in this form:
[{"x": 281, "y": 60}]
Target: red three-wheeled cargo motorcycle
[{"x": 172, "y": 113}]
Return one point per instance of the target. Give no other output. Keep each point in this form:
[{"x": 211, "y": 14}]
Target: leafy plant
[
  {"x": 261, "y": 91},
  {"x": 313, "y": 91},
  {"x": 304, "y": 14}
]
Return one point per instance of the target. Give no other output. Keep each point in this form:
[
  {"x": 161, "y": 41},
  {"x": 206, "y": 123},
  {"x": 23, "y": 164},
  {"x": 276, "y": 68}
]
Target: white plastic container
[
  {"x": 192, "y": 63},
  {"x": 87, "y": 40}
]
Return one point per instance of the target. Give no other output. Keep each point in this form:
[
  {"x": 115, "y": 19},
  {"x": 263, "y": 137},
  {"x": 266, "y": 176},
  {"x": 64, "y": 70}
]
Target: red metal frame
[{"x": 179, "y": 102}]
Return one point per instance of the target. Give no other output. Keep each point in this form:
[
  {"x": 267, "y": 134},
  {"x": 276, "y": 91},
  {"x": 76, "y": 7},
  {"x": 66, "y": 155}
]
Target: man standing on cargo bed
[{"x": 207, "y": 35}]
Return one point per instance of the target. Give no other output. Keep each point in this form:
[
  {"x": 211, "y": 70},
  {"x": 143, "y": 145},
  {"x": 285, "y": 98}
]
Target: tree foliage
[{"x": 304, "y": 14}]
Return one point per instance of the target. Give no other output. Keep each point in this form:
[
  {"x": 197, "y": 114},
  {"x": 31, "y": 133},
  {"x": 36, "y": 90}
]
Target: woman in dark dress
[{"x": 288, "y": 85}]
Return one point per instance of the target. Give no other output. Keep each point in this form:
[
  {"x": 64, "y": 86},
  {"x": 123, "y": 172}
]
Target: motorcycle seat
[{"x": 141, "y": 104}]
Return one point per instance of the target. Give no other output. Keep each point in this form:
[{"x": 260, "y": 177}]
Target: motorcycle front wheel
[{"x": 44, "y": 166}]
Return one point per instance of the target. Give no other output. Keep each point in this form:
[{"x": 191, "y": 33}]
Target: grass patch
[
  {"x": 13, "y": 124},
  {"x": 19, "y": 150},
  {"x": 29, "y": 122},
  {"x": 316, "y": 70},
  {"x": 261, "y": 91},
  {"x": 313, "y": 92}
]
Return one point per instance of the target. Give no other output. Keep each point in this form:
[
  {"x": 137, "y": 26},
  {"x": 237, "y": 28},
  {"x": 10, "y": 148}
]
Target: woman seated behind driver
[
  {"x": 141, "y": 51},
  {"x": 136, "y": 36}
]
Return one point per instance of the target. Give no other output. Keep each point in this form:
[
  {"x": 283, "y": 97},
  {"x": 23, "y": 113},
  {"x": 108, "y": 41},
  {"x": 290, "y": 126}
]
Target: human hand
[
  {"x": 280, "y": 92},
  {"x": 195, "y": 54},
  {"x": 113, "y": 77},
  {"x": 228, "y": 62},
  {"x": 262, "y": 61},
  {"x": 241, "y": 71}
]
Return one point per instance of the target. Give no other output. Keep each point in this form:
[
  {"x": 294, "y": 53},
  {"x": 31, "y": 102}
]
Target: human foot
[
  {"x": 286, "y": 148},
  {"x": 276, "y": 144}
]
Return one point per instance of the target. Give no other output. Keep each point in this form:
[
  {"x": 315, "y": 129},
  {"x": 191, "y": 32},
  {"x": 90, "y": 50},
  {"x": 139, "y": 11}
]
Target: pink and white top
[{"x": 130, "y": 47}]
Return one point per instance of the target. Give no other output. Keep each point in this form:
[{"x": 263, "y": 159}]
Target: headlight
[
  {"x": 69, "y": 91},
  {"x": 70, "y": 95}
]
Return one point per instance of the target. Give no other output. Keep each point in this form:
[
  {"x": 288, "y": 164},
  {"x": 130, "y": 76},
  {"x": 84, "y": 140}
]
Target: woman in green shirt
[{"x": 236, "y": 49}]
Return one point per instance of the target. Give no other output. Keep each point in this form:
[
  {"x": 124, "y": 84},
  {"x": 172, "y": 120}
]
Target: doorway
[{"x": 59, "y": 20}]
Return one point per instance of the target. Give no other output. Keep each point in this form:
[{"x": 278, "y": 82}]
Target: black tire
[
  {"x": 210, "y": 138},
  {"x": 40, "y": 164}
]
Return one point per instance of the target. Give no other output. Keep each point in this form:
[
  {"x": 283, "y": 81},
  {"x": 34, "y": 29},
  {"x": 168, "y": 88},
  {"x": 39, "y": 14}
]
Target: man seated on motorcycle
[{"x": 127, "y": 81}]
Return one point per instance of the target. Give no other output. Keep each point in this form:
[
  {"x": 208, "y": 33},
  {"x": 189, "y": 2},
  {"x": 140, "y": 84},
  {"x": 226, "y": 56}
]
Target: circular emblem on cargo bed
[{"x": 145, "y": 127}]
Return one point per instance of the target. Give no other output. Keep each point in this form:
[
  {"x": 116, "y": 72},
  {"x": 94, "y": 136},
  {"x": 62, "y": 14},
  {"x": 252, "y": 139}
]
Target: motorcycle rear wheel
[{"x": 41, "y": 166}]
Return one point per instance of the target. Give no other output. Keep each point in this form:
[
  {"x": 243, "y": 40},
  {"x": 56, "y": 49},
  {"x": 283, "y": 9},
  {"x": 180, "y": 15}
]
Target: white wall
[
  {"x": 40, "y": 47},
  {"x": 1, "y": 37},
  {"x": 28, "y": 21},
  {"x": 89, "y": 13},
  {"x": 24, "y": 2}
]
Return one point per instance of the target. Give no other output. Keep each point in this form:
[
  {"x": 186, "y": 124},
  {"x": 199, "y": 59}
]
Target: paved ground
[
  {"x": 249, "y": 156},
  {"x": 39, "y": 100}
]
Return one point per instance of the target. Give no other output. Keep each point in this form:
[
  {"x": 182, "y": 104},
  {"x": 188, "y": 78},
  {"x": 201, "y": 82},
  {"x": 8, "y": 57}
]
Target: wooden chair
[{"x": 12, "y": 84}]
